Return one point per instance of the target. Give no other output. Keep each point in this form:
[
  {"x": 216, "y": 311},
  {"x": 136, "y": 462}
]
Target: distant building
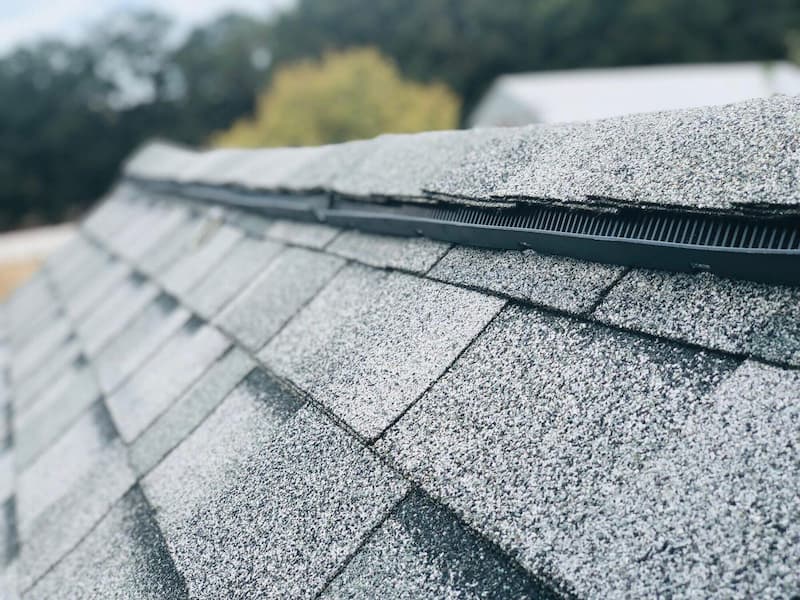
[{"x": 576, "y": 95}]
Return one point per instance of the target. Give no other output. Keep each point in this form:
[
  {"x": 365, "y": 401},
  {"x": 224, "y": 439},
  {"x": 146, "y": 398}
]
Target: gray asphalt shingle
[
  {"x": 129, "y": 298},
  {"x": 53, "y": 412},
  {"x": 717, "y": 157},
  {"x": 65, "y": 462},
  {"x": 422, "y": 551},
  {"x": 614, "y": 463},
  {"x": 288, "y": 282},
  {"x": 266, "y": 498},
  {"x": 108, "y": 278},
  {"x": 371, "y": 343},
  {"x": 165, "y": 376},
  {"x": 198, "y": 227},
  {"x": 734, "y": 316},
  {"x": 298, "y": 233},
  {"x": 156, "y": 222},
  {"x": 239, "y": 268},
  {"x": 27, "y": 390},
  {"x": 123, "y": 557},
  {"x": 199, "y": 259},
  {"x": 382, "y": 251},
  {"x": 67, "y": 520},
  {"x": 48, "y": 339},
  {"x": 144, "y": 335},
  {"x": 186, "y": 413},
  {"x": 553, "y": 281}
]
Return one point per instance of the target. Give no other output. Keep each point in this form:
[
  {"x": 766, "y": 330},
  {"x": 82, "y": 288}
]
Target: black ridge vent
[
  {"x": 671, "y": 228},
  {"x": 758, "y": 248}
]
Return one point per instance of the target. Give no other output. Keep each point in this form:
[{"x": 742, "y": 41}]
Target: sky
[{"x": 23, "y": 21}]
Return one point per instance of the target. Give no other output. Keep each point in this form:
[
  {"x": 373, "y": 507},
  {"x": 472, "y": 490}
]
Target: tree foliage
[{"x": 347, "y": 95}]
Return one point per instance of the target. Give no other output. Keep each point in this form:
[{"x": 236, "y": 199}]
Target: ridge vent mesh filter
[{"x": 758, "y": 248}]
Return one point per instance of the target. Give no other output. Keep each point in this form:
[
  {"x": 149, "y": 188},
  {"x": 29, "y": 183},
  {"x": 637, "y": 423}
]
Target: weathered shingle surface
[
  {"x": 723, "y": 157},
  {"x": 203, "y": 402}
]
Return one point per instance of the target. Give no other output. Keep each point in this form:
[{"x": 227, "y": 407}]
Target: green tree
[{"x": 348, "y": 95}]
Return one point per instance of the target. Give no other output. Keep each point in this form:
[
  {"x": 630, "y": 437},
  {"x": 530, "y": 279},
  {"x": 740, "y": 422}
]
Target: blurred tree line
[{"x": 71, "y": 112}]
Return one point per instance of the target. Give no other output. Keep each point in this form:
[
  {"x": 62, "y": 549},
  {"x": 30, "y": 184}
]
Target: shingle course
[
  {"x": 38, "y": 427},
  {"x": 144, "y": 335},
  {"x": 123, "y": 557},
  {"x": 422, "y": 551},
  {"x": 186, "y": 413},
  {"x": 553, "y": 281},
  {"x": 261, "y": 488},
  {"x": 370, "y": 343},
  {"x": 733, "y": 316},
  {"x": 231, "y": 275},
  {"x": 181, "y": 360},
  {"x": 617, "y": 464},
  {"x": 405, "y": 253},
  {"x": 283, "y": 287}
]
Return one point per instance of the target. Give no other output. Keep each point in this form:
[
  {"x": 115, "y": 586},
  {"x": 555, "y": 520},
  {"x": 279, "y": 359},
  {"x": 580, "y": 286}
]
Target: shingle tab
[
  {"x": 422, "y": 551},
  {"x": 199, "y": 259},
  {"x": 28, "y": 303},
  {"x": 123, "y": 557},
  {"x": 288, "y": 282},
  {"x": 53, "y": 412},
  {"x": 553, "y": 281},
  {"x": 311, "y": 235},
  {"x": 156, "y": 222},
  {"x": 265, "y": 499},
  {"x": 372, "y": 342},
  {"x": 69, "y": 267},
  {"x": 382, "y": 251},
  {"x": 186, "y": 413},
  {"x": 239, "y": 268},
  {"x": 48, "y": 339},
  {"x": 191, "y": 232},
  {"x": 405, "y": 165},
  {"x": 734, "y": 316},
  {"x": 551, "y": 436},
  {"x": 65, "y": 462},
  {"x": 27, "y": 390},
  {"x": 164, "y": 377},
  {"x": 115, "y": 312},
  {"x": 144, "y": 335},
  {"x": 109, "y": 276},
  {"x": 113, "y": 214},
  {"x": 67, "y": 521}
]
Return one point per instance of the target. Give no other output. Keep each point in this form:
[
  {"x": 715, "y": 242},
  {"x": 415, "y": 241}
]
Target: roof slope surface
[{"x": 203, "y": 402}]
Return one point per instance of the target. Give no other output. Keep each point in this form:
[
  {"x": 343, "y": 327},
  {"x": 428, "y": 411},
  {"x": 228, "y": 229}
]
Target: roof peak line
[
  {"x": 758, "y": 249},
  {"x": 733, "y": 170}
]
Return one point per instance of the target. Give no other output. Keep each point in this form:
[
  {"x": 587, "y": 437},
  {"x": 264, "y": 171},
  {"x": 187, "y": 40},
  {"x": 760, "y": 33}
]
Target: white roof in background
[{"x": 561, "y": 96}]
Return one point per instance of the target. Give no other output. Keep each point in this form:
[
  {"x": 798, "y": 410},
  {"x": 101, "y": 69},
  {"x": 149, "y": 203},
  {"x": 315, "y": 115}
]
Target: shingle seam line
[
  {"x": 365, "y": 538},
  {"x": 443, "y": 374}
]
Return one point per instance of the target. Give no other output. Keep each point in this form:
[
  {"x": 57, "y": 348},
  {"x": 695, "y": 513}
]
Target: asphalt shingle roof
[{"x": 198, "y": 401}]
